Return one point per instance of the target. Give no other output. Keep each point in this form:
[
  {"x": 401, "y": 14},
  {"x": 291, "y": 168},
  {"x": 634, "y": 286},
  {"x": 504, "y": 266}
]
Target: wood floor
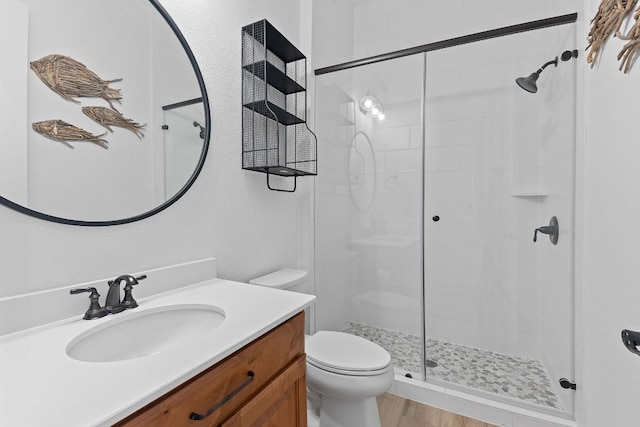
[{"x": 400, "y": 412}]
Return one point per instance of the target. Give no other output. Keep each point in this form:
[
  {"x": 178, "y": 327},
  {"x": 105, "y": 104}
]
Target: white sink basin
[{"x": 146, "y": 333}]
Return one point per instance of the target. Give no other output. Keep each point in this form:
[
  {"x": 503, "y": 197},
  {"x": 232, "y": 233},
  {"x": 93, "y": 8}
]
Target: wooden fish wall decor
[
  {"x": 62, "y": 131},
  {"x": 107, "y": 117},
  {"x": 71, "y": 79}
]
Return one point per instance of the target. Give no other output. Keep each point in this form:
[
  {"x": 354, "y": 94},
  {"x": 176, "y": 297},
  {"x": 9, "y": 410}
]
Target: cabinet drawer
[
  {"x": 228, "y": 384},
  {"x": 283, "y": 402}
]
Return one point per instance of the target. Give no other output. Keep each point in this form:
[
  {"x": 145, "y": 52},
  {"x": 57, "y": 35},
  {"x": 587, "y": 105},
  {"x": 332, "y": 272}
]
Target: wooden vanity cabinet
[{"x": 262, "y": 384}]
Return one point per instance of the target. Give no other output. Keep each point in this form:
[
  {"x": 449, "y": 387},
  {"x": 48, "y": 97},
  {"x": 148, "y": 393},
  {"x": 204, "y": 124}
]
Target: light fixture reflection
[
  {"x": 367, "y": 102},
  {"x": 370, "y": 104}
]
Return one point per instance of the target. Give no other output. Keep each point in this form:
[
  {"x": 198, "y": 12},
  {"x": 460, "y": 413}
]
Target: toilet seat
[{"x": 346, "y": 354}]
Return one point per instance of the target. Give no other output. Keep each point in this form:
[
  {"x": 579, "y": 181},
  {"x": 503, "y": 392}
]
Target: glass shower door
[
  {"x": 368, "y": 198},
  {"x": 499, "y": 163}
]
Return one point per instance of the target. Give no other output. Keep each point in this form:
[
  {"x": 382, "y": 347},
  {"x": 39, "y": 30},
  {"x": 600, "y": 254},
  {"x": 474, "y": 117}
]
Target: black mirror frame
[{"x": 172, "y": 200}]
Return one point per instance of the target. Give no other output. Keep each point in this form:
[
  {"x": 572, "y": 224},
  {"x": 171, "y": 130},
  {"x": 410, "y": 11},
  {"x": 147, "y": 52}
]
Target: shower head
[{"x": 529, "y": 83}]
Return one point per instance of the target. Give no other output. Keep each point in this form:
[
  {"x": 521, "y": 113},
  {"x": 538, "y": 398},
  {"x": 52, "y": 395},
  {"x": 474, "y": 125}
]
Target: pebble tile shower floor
[{"x": 511, "y": 376}]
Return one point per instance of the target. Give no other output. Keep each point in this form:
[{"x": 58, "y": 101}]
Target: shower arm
[{"x": 553, "y": 61}]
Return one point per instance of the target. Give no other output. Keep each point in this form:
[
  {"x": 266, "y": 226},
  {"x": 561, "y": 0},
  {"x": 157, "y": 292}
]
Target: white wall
[
  {"x": 610, "y": 273},
  {"x": 14, "y": 31},
  {"x": 228, "y": 213}
]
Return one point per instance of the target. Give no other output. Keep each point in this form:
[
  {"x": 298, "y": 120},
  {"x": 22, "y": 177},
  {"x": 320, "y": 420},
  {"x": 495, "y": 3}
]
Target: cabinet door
[{"x": 283, "y": 402}]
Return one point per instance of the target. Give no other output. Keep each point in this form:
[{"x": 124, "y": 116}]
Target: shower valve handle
[
  {"x": 552, "y": 230},
  {"x": 546, "y": 229}
]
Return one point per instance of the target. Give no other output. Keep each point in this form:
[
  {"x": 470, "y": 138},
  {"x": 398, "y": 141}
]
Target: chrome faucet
[{"x": 113, "y": 304}]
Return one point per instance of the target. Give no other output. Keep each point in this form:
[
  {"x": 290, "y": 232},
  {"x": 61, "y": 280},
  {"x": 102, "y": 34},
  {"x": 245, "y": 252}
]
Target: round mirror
[{"x": 104, "y": 117}]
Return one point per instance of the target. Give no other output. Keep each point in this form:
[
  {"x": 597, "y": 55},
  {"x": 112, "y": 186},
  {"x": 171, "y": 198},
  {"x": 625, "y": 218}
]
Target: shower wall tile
[
  {"x": 451, "y": 228},
  {"x": 487, "y": 76},
  {"x": 393, "y": 138},
  {"x": 455, "y": 282},
  {"x": 457, "y": 132},
  {"x": 330, "y": 206},
  {"x": 526, "y": 179},
  {"x": 384, "y": 273},
  {"x": 404, "y": 160},
  {"x": 416, "y": 136},
  {"x": 444, "y": 84},
  {"x": 404, "y": 113},
  {"x": 441, "y": 158},
  {"x": 489, "y": 183},
  {"x": 429, "y": 185},
  {"x": 453, "y": 183},
  {"x": 480, "y": 307},
  {"x": 381, "y": 161}
]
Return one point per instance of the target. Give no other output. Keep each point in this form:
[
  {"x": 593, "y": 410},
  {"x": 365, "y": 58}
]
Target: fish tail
[
  {"x": 111, "y": 104},
  {"x": 101, "y": 142}
]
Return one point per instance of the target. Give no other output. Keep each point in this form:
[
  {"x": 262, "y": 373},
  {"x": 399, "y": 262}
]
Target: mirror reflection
[{"x": 102, "y": 116}]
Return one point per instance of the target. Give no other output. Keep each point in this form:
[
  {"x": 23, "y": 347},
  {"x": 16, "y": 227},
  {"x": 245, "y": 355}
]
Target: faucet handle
[
  {"x": 128, "y": 301},
  {"x": 94, "y": 311}
]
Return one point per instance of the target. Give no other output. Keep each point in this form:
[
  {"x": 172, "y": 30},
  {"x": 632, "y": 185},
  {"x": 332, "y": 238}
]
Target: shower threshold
[{"x": 525, "y": 380}]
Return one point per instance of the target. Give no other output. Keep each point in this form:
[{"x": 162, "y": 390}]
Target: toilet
[{"x": 345, "y": 372}]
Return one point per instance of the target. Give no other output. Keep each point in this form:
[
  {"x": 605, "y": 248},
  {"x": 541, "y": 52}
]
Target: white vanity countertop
[{"x": 40, "y": 385}]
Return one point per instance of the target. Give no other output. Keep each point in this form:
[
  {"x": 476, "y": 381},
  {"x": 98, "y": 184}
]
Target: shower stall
[{"x": 425, "y": 216}]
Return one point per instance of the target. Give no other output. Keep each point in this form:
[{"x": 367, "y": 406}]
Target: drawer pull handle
[{"x": 197, "y": 417}]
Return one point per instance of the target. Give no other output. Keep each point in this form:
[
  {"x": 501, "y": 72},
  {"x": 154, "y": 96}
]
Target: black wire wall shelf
[
  {"x": 275, "y": 77},
  {"x": 275, "y": 136}
]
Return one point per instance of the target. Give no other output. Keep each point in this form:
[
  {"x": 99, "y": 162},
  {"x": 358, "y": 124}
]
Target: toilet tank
[{"x": 287, "y": 278}]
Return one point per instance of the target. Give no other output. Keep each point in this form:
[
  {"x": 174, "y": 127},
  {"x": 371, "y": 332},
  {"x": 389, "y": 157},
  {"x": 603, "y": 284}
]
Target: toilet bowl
[{"x": 345, "y": 372}]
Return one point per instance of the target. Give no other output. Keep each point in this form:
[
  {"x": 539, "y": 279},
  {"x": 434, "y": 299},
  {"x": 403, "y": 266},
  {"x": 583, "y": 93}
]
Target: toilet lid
[{"x": 344, "y": 353}]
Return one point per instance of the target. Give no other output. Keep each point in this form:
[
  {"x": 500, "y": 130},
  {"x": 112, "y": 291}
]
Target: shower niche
[{"x": 275, "y": 137}]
